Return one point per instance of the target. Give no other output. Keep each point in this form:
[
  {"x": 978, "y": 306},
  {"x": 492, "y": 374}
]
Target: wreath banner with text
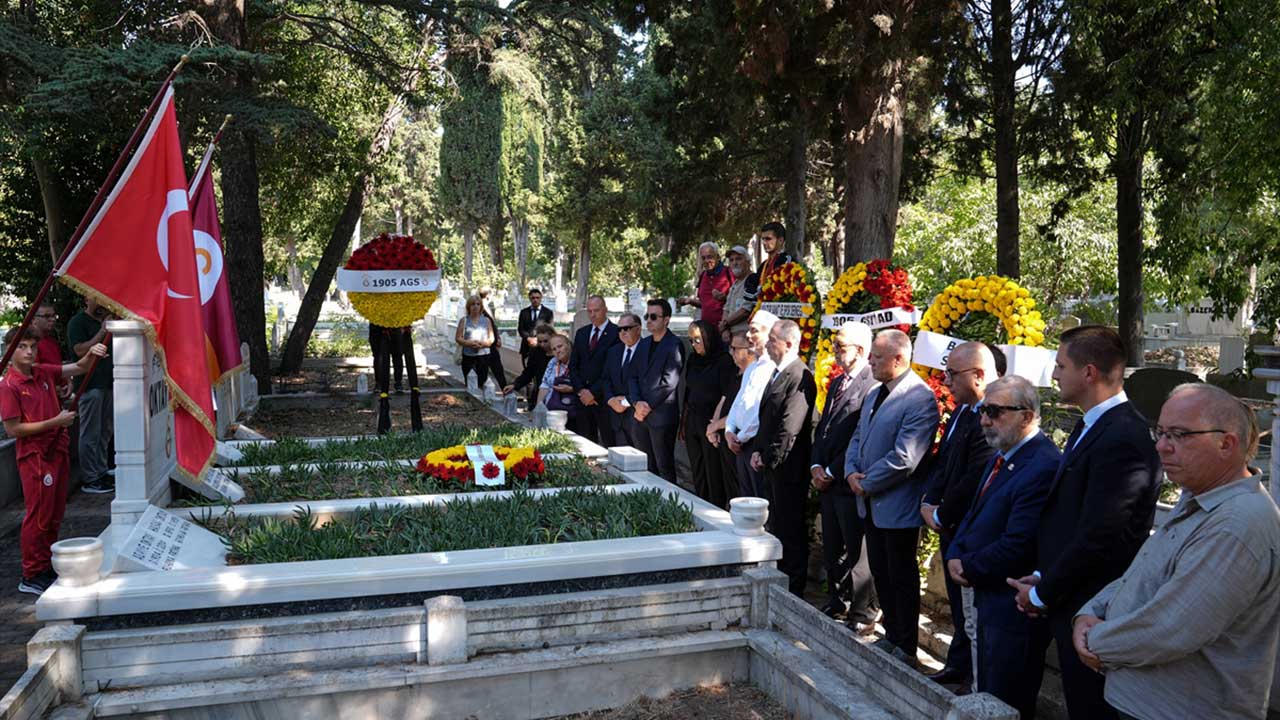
[
  {"x": 392, "y": 280},
  {"x": 790, "y": 294},
  {"x": 877, "y": 293}
]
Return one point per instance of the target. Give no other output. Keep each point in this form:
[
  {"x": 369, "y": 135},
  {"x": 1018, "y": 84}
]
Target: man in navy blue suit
[
  {"x": 617, "y": 369},
  {"x": 997, "y": 540},
  {"x": 586, "y": 370},
  {"x": 652, "y": 382}
]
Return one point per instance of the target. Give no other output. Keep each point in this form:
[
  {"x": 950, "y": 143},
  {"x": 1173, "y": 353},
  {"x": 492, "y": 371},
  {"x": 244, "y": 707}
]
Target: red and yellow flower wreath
[
  {"x": 392, "y": 252},
  {"x": 452, "y": 463},
  {"x": 860, "y": 289},
  {"x": 793, "y": 283}
]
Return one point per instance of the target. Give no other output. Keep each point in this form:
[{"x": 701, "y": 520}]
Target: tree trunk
[
  {"x": 468, "y": 255},
  {"x": 584, "y": 265},
  {"x": 797, "y": 174},
  {"x": 1008, "y": 260},
  {"x": 520, "y": 245},
  {"x": 873, "y": 163},
  {"x": 293, "y": 272},
  {"x": 1128, "y": 171},
  {"x": 54, "y": 196},
  {"x": 497, "y": 233},
  {"x": 559, "y": 285},
  {"x": 241, "y": 211},
  {"x": 399, "y": 220},
  {"x": 335, "y": 249}
]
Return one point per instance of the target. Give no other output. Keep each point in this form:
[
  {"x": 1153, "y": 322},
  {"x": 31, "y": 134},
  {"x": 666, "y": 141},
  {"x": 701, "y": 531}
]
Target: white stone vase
[
  {"x": 558, "y": 420},
  {"x": 78, "y": 561},
  {"x": 749, "y": 515}
]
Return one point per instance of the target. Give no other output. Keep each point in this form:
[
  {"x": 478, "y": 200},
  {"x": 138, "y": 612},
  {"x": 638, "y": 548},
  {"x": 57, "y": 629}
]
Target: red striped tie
[
  {"x": 994, "y": 469},
  {"x": 595, "y": 339}
]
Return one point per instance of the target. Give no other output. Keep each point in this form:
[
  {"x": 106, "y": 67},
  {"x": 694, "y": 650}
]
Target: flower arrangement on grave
[
  {"x": 988, "y": 308},
  {"x": 793, "y": 283},
  {"x": 392, "y": 252},
  {"x": 452, "y": 463},
  {"x": 863, "y": 288}
]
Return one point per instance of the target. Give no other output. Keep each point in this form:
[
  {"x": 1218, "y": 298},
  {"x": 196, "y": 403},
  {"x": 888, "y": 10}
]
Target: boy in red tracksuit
[{"x": 33, "y": 416}]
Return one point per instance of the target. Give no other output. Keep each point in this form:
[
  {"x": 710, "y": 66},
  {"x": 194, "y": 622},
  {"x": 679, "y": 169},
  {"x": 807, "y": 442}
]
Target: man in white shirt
[{"x": 743, "y": 421}]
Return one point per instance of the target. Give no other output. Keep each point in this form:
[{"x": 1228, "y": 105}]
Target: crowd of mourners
[{"x": 1041, "y": 544}]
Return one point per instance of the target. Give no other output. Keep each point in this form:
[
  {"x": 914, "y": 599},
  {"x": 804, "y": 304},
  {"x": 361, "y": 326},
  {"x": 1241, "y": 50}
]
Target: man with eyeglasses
[
  {"x": 617, "y": 373},
  {"x": 742, "y": 294},
  {"x": 954, "y": 476},
  {"x": 1100, "y": 509},
  {"x": 743, "y": 421},
  {"x": 996, "y": 539},
  {"x": 651, "y": 390},
  {"x": 843, "y": 545},
  {"x": 48, "y": 351},
  {"x": 94, "y": 410},
  {"x": 1190, "y": 630},
  {"x": 712, "y": 287}
]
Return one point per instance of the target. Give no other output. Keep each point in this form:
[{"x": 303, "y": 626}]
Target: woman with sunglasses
[{"x": 708, "y": 374}]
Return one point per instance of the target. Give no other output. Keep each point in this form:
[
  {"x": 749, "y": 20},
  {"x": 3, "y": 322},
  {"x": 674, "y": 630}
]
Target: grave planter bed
[
  {"x": 335, "y": 480},
  {"x": 401, "y": 446},
  {"x": 313, "y": 416},
  {"x": 519, "y": 518}
]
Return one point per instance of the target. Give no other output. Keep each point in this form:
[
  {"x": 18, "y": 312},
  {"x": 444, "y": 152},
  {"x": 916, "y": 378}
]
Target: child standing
[{"x": 33, "y": 416}]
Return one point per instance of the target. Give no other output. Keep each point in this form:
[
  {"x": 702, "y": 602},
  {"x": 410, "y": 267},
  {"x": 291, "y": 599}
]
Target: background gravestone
[{"x": 1149, "y": 387}]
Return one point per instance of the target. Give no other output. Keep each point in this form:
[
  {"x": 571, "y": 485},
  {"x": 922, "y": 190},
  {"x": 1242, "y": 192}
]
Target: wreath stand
[{"x": 402, "y": 337}]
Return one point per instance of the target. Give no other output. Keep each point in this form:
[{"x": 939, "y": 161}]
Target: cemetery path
[{"x": 86, "y": 515}]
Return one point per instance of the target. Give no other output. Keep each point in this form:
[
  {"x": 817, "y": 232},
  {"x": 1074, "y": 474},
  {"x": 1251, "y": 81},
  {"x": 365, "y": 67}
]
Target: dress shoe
[
  {"x": 949, "y": 676},
  {"x": 833, "y": 608},
  {"x": 862, "y": 629}
]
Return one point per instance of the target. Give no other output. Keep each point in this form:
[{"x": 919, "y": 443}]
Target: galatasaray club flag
[
  {"x": 138, "y": 258},
  {"x": 222, "y": 342}
]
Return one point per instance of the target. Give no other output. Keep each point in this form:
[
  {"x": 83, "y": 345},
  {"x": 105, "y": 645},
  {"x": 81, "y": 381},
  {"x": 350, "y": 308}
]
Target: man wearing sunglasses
[
  {"x": 1100, "y": 508},
  {"x": 617, "y": 372},
  {"x": 954, "y": 476},
  {"x": 996, "y": 540},
  {"x": 651, "y": 382}
]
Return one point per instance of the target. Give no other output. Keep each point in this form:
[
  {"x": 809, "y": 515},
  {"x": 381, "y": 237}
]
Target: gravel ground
[
  {"x": 326, "y": 422},
  {"x": 715, "y": 702}
]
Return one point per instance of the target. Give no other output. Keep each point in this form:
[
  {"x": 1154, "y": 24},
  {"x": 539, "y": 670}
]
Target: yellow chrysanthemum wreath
[
  {"x": 988, "y": 308},
  {"x": 397, "y": 309}
]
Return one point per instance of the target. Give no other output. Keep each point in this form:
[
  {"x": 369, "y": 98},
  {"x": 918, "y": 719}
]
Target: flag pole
[{"x": 98, "y": 199}]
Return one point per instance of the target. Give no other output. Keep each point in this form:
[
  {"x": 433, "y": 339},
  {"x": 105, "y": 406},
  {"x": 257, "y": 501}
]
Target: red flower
[{"x": 490, "y": 470}]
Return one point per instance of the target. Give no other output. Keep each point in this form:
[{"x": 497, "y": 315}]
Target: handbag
[{"x": 557, "y": 400}]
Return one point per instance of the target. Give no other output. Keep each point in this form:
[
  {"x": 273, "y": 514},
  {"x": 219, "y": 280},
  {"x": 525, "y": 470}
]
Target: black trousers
[
  {"x": 750, "y": 481},
  {"x": 704, "y": 463},
  {"x": 892, "y": 555},
  {"x": 495, "y": 366},
  {"x": 787, "y": 522},
  {"x": 1007, "y": 664},
  {"x": 844, "y": 553},
  {"x": 728, "y": 471},
  {"x": 1081, "y": 687},
  {"x": 479, "y": 364},
  {"x": 659, "y": 444},
  {"x": 960, "y": 654},
  {"x": 391, "y": 336}
]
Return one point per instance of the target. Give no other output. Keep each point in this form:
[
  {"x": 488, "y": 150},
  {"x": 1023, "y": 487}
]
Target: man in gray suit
[{"x": 897, "y": 427}]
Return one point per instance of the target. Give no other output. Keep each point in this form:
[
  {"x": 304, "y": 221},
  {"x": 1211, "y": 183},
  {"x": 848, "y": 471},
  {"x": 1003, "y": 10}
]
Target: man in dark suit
[
  {"x": 652, "y": 385},
  {"x": 586, "y": 370},
  {"x": 530, "y": 318},
  {"x": 895, "y": 433},
  {"x": 617, "y": 370},
  {"x": 782, "y": 448},
  {"x": 953, "y": 480},
  {"x": 1101, "y": 504},
  {"x": 996, "y": 540},
  {"x": 843, "y": 546}
]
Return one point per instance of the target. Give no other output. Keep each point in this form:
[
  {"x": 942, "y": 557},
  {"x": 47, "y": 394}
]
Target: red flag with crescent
[
  {"x": 138, "y": 258},
  {"x": 222, "y": 341}
]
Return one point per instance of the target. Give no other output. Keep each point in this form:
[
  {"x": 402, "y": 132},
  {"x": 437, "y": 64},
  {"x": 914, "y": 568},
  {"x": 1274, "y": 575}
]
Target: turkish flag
[
  {"x": 138, "y": 258},
  {"x": 222, "y": 341}
]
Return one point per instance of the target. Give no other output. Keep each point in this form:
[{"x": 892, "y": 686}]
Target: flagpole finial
[{"x": 182, "y": 61}]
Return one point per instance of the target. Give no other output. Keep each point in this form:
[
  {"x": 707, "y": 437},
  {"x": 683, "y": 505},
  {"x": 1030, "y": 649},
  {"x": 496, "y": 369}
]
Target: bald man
[
  {"x": 1190, "y": 629},
  {"x": 954, "y": 476}
]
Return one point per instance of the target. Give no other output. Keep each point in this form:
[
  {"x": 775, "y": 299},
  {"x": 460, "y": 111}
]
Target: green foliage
[
  {"x": 672, "y": 279},
  {"x": 471, "y": 144},
  {"x": 570, "y": 515},
  {"x": 331, "y": 480},
  {"x": 402, "y": 446}
]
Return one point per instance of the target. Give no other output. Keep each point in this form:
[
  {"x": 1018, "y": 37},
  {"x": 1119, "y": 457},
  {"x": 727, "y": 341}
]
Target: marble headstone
[{"x": 164, "y": 541}]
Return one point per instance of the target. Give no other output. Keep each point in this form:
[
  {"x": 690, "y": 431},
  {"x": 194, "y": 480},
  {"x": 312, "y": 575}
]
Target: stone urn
[
  {"x": 558, "y": 420},
  {"x": 78, "y": 561},
  {"x": 749, "y": 515}
]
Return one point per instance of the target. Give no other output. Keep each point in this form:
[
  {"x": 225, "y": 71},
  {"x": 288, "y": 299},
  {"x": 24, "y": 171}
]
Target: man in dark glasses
[
  {"x": 617, "y": 373},
  {"x": 652, "y": 385}
]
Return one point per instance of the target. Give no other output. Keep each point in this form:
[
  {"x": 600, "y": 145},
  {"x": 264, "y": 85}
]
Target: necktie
[
  {"x": 994, "y": 469},
  {"x": 626, "y": 358},
  {"x": 880, "y": 396},
  {"x": 595, "y": 339},
  {"x": 841, "y": 386},
  {"x": 1076, "y": 432}
]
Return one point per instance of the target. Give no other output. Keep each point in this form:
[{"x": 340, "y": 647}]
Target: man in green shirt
[{"x": 83, "y": 332}]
